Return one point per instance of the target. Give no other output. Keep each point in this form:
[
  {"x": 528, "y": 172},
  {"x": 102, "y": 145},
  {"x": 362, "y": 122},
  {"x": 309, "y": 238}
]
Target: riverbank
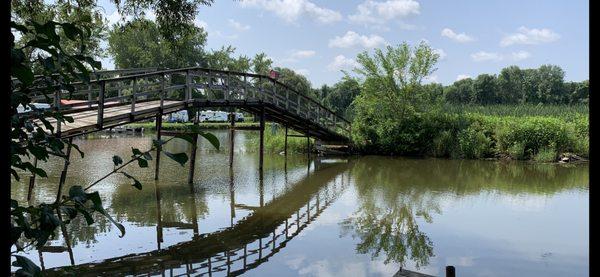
[
  {"x": 151, "y": 126},
  {"x": 469, "y": 135}
]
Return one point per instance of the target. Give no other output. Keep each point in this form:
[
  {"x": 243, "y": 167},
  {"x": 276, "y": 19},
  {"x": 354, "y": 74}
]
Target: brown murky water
[{"x": 355, "y": 216}]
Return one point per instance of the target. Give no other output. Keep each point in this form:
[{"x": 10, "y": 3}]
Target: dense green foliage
[
  {"x": 135, "y": 45},
  {"x": 60, "y": 41},
  {"x": 396, "y": 115},
  {"x": 513, "y": 85}
]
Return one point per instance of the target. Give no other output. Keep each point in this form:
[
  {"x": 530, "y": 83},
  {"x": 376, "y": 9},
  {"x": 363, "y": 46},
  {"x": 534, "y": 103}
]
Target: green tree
[
  {"x": 549, "y": 85},
  {"x": 261, "y": 64},
  {"x": 296, "y": 81},
  {"x": 511, "y": 84},
  {"x": 341, "y": 96},
  {"x": 391, "y": 97},
  {"x": 223, "y": 59},
  {"x": 460, "y": 92},
  {"x": 84, "y": 14},
  {"x": 485, "y": 89},
  {"x": 135, "y": 45}
]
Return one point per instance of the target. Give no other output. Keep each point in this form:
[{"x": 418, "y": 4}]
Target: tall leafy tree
[
  {"x": 135, "y": 45},
  {"x": 485, "y": 89}
]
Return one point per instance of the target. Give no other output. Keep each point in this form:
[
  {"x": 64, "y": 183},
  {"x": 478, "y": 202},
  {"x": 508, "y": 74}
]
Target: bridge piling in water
[
  {"x": 193, "y": 159},
  {"x": 159, "y": 146},
  {"x": 262, "y": 140},
  {"x": 231, "y": 137},
  {"x": 31, "y": 182},
  {"x": 63, "y": 174}
]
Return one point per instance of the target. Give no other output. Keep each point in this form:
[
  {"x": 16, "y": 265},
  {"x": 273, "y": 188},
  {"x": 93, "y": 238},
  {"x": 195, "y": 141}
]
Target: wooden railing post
[
  {"x": 227, "y": 86},
  {"x": 188, "y": 86},
  {"x": 162, "y": 91},
  {"x": 57, "y": 108},
  {"x": 101, "y": 104},
  {"x": 245, "y": 88},
  {"x": 89, "y": 96},
  {"x": 133, "y": 97},
  {"x": 287, "y": 99},
  {"x": 260, "y": 88}
]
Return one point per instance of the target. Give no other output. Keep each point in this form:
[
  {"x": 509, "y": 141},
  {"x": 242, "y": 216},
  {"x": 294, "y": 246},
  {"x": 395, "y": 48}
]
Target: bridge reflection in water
[{"x": 244, "y": 245}]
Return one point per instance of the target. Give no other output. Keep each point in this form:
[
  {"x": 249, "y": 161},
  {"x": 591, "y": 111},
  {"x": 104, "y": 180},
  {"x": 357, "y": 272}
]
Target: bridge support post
[
  {"x": 31, "y": 182},
  {"x": 193, "y": 159},
  {"x": 231, "y": 195},
  {"x": 159, "y": 146},
  {"x": 285, "y": 142},
  {"x": 159, "y": 230},
  {"x": 194, "y": 213},
  {"x": 63, "y": 174},
  {"x": 262, "y": 140},
  {"x": 231, "y": 137}
]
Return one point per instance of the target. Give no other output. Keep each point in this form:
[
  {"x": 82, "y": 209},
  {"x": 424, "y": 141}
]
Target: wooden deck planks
[{"x": 89, "y": 118}]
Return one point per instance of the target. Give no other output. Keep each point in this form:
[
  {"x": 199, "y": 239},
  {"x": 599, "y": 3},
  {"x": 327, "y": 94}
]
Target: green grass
[
  {"x": 567, "y": 112},
  {"x": 151, "y": 126}
]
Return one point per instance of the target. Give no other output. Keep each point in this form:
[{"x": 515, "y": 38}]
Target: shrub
[
  {"x": 517, "y": 151},
  {"x": 546, "y": 154},
  {"x": 473, "y": 143}
]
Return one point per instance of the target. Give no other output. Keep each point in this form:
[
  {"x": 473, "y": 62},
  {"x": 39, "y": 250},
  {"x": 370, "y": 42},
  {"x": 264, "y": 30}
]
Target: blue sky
[{"x": 319, "y": 38}]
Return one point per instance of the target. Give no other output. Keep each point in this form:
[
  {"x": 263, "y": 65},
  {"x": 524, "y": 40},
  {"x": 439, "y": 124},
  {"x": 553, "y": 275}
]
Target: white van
[
  {"x": 40, "y": 106},
  {"x": 180, "y": 116},
  {"x": 218, "y": 116}
]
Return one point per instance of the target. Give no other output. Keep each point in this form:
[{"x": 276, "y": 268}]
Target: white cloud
[
  {"x": 377, "y": 12},
  {"x": 519, "y": 56},
  {"x": 341, "y": 62},
  {"x": 301, "y": 54},
  {"x": 525, "y": 35},
  {"x": 483, "y": 56},
  {"x": 351, "y": 39},
  {"x": 202, "y": 24},
  {"x": 238, "y": 26},
  {"x": 462, "y": 37},
  {"x": 441, "y": 53},
  {"x": 462, "y": 76},
  {"x": 291, "y": 10}
]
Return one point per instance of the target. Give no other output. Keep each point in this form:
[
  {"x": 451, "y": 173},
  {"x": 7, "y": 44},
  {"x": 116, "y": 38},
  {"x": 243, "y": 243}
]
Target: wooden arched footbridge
[{"x": 119, "y": 97}]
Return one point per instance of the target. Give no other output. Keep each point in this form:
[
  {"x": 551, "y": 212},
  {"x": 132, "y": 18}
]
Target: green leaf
[
  {"x": 24, "y": 74},
  {"x": 181, "y": 158},
  {"x": 117, "y": 160},
  {"x": 147, "y": 156},
  {"x": 142, "y": 163},
  {"x": 38, "y": 171},
  {"x": 136, "y": 151},
  {"x": 136, "y": 183},
  {"x": 26, "y": 267},
  {"x": 70, "y": 31},
  {"x": 186, "y": 137},
  {"x": 95, "y": 197},
  {"x": 211, "y": 138}
]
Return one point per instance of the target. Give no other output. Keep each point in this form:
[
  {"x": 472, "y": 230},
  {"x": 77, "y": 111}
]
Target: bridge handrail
[{"x": 253, "y": 75}]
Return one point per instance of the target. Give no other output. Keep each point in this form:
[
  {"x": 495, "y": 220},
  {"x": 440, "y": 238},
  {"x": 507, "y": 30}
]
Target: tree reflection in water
[{"x": 393, "y": 193}]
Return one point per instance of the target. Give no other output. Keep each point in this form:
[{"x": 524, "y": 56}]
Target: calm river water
[{"x": 356, "y": 216}]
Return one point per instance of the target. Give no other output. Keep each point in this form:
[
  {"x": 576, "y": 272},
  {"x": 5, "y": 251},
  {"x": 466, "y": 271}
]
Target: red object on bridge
[{"x": 273, "y": 74}]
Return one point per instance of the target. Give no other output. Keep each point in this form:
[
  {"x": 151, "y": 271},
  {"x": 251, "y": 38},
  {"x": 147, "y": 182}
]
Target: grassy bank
[
  {"x": 275, "y": 140},
  {"x": 151, "y": 126},
  {"x": 474, "y": 132}
]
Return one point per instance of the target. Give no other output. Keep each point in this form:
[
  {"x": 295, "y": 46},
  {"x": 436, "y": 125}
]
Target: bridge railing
[{"x": 188, "y": 85}]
